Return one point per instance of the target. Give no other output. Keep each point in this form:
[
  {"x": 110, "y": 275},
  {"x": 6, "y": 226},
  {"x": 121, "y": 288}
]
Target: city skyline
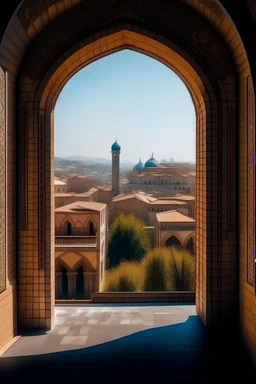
[{"x": 132, "y": 91}]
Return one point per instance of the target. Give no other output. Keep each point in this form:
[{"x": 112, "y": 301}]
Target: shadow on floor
[{"x": 179, "y": 353}]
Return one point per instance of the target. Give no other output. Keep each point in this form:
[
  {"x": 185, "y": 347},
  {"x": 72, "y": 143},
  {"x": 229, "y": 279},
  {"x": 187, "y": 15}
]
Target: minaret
[{"x": 115, "y": 150}]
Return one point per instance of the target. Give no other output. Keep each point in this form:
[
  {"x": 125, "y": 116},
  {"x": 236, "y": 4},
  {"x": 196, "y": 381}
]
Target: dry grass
[
  {"x": 156, "y": 265},
  {"x": 162, "y": 269},
  {"x": 182, "y": 274},
  {"x": 126, "y": 277}
]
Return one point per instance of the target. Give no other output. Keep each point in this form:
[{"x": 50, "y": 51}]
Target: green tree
[{"x": 128, "y": 240}]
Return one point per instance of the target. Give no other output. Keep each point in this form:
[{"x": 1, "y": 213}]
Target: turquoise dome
[
  {"x": 115, "y": 147},
  {"x": 151, "y": 163},
  {"x": 138, "y": 167}
]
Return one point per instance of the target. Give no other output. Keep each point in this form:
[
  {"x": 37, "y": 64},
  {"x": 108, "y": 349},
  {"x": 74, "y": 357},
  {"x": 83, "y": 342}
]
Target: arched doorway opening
[
  {"x": 68, "y": 228},
  {"x": 64, "y": 284},
  {"x": 173, "y": 241},
  {"x": 91, "y": 229},
  {"x": 206, "y": 118},
  {"x": 190, "y": 246},
  {"x": 80, "y": 283},
  {"x": 214, "y": 83}
]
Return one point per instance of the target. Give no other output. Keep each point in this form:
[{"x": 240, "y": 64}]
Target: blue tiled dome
[
  {"x": 138, "y": 167},
  {"x": 151, "y": 163},
  {"x": 115, "y": 147}
]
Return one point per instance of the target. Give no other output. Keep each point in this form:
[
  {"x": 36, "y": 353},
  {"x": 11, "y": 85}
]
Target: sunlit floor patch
[{"x": 80, "y": 327}]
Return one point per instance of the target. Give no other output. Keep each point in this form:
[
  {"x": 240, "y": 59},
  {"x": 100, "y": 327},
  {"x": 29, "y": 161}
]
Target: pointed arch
[
  {"x": 88, "y": 219},
  {"x": 190, "y": 244},
  {"x": 64, "y": 283},
  {"x": 83, "y": 262},
  {"x": 80, "y": 291},
  {"x": 67, "y": 218},
  {"x": 60, "y": 264},
  {"x": 172, "y": 234}
]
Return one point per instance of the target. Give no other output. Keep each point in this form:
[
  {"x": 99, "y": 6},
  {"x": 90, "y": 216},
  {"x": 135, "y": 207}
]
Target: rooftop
[
  {"x": 140, "y": 196},
  {"x": 184, "y": 197},
  {"x": 174, "y": 217},
  {"x": 167, "y": 201},
  {"x": 59, "y": 182},
  {"x": 81, "y": 206}
]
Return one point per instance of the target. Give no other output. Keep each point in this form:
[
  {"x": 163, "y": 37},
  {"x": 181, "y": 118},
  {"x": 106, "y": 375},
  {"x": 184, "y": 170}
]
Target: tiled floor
[
  {"x": 117, "y": 343},
  {"x": 85, "y": 326}
]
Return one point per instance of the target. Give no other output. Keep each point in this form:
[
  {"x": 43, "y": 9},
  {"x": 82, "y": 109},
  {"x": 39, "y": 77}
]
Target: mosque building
[{"x": 162, "y": 179}]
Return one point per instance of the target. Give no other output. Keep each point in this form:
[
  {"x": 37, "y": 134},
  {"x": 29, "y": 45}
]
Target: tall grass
[
  {"x": 157, "y": 270},
  {"x": 182, "y": 271},
  {"x": 126, "y": 277},
  {"x": 127, "y": 240},
  {"x": 162, "y": 269}
]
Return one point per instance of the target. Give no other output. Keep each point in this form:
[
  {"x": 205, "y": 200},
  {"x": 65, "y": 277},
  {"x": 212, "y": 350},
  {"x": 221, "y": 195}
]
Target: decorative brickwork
[
  {"x": 231, "y": 169},
  {"x": 250, "y": 185},
  {"x": 184, "y": 23},
  {"x": 2, "y": 180},
  {"x": 213, "y": 6},
  {"x": 32, "y": 9},
  {"x": 42, "y": 192},
  {"x": 23, "y": 168},
  {"x": 83, "y": 241}
]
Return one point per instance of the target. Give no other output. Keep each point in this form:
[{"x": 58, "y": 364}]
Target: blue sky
[{"x": 129, "y": 97}]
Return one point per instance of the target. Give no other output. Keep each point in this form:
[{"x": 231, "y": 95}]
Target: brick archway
[
  {"x": 213, "y": 77},
  {"x": 213, "y": 101}
]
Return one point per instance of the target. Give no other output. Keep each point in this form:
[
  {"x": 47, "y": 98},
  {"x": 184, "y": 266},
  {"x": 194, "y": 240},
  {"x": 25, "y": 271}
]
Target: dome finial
[
  {"x": 115, "y": 146},
  {"x": 152, "y": 155},
  {"x": 140, "y": 159}
]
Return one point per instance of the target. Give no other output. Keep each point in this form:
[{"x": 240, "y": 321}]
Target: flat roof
[
  {"x": 174, "y": 217},
  {"x": 81, "y": 206}
]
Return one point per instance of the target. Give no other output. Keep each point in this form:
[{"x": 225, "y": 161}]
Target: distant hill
[
  {"x": 87, "y": 160},
  {"x": 94, "y": 160}
]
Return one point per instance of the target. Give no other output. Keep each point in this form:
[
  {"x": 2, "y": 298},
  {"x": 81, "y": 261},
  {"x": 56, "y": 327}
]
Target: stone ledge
[{"x": 142, "y": 297}]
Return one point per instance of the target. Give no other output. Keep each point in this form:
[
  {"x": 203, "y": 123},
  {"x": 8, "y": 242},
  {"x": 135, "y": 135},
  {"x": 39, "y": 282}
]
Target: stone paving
[{"x": 86, "y": 326}]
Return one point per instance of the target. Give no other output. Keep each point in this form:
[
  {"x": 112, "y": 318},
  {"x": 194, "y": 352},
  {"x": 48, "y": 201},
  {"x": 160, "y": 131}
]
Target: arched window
[
  {"x": 80, "y": 283},
  {"x": 173, "y": 241},
  {"x": 190, "y": 245},
  {"x": 91, "y": 229},
  {"x": 68, "y": 228},
  {"x": 64, "y": 284}
]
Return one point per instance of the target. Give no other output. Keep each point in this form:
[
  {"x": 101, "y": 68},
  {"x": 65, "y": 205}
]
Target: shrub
[
  {"x": 124, "y": 277},
  {"x": 182, "y": 270},
  {"x": 128, "y": 240},
  {"x": 157, "y": 270}
]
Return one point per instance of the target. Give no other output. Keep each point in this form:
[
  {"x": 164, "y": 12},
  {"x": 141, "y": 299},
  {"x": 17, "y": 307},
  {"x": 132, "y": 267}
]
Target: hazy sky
[{"x": 129, "y": 97}]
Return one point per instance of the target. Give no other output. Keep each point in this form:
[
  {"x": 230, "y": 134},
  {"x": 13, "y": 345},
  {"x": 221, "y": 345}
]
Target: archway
[
  {"x": 173, "y": 241},
  {"x": 208, "y": 89},
  {"x": 91, "y": 228},
  {"x": 190, "y": 245},
  {"x": 80, "y": 283},
  {"x": 64, "y": 284},
  {"x": 181, "y": 43},
  {"x": 68, "y": 228}
]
